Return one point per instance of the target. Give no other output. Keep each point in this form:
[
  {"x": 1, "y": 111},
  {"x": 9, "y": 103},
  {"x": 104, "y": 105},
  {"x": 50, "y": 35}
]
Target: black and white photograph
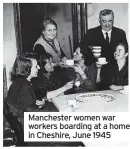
[{"x": 62, "y": 57}]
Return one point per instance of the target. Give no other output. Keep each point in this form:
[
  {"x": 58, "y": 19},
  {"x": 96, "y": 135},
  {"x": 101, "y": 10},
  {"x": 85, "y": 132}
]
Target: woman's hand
[
  {"x": 78, "y": 69},
  {"x": 40, "y": 103},
  {"x": 116, "y": 87},
  {"x": 69, "y": 85},
  {"x": 99, "y": 66},
  {"x": 63, "y": 65},
  {"x": 64, "y": 59}
]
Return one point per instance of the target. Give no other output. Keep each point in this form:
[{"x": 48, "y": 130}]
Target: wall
[
  {"x": 63, "y": 19},
  {"x": 120, "y": 13},
  {"x": 9, "y": 42}
]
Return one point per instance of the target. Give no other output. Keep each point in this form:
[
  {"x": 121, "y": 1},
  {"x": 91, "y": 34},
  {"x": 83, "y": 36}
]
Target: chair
[{"x": 15, "y": 125}]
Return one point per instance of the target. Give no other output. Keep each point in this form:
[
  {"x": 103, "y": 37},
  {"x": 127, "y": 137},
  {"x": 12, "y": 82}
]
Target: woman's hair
[
  {"x": 124, "y": 45},
  {"x": 22, "y": 67},
  {"x": 43, "y": 62},
  {"x": 30, "y": 55},
  {"x": 46, "y": 22}
]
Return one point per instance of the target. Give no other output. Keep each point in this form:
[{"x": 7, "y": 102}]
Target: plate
[
  {"x": 94, "y": 97},
  {"x": 102, "y": 63}
]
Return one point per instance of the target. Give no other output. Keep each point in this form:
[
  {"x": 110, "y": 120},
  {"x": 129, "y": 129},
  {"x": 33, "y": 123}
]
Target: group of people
[{"x": 39, "y": 77}]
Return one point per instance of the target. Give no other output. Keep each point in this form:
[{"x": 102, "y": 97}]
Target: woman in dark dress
[
  {"x": 115, "y": 74},
  {"x": 21, "y": 96}
]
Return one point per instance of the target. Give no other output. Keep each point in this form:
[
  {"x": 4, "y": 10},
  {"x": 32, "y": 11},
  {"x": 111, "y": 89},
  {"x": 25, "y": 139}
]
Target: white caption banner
[{"x": 57, "y": 126}]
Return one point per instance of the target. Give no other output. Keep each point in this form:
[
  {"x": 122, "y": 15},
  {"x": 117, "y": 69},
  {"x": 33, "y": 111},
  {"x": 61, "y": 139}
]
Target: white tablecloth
[{"x": 120, "y": 104}]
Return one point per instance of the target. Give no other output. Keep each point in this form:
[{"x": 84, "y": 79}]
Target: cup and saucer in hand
[
  {"x": 67, "y": 63},
  {"x": 101, "y": 61},
  {"x": 70, "y": 62}
]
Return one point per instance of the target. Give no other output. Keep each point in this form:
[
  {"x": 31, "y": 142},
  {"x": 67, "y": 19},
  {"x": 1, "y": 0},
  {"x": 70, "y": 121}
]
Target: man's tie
[{"x": 107, "y": 37}]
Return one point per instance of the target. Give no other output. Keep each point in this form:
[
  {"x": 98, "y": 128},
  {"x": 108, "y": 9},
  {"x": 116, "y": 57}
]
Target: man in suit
[{"x": 105, "y": 35}]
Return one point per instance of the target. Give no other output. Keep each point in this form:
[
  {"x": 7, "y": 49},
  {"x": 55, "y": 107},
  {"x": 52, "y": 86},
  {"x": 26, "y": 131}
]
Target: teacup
[
  {"x": 72, "y": 102},
  {"x": 70, "y": 62},
  {"x": 77, "y": 83},
  {"x": 102, "y": 60}
]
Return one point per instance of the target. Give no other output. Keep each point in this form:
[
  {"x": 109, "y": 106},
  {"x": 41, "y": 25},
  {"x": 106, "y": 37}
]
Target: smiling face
[
  {"x": 50, "y": 32},
  {"x": 34, "y": 69},
  {"x": 106, "y": 22},
  {"x": 49, "y": 66},
  {"x": 120, "y": 53}
]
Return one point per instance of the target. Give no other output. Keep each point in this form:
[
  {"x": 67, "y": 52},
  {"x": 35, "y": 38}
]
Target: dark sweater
[
  {"x": 110, "y": 75},
  {"x": 21, "y": 97}
]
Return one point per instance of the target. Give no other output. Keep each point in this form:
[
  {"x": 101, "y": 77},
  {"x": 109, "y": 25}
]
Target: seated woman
[
  {"x": 85, "y": 74},
  {"x": 21, "y": 97},
  {"x": 47, "y": 76},
  {"x": 115, "y": 74},
  {"x": 48, "y": 43}
]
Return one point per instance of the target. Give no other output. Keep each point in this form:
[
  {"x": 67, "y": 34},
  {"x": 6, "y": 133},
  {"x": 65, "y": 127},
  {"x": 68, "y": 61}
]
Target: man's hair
[
  {"x": 106, "y": 12},
  {"x": 46, "y": 22},
  {"x": 22, "y": 67}
]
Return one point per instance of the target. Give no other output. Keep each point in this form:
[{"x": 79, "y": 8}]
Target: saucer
[{"x": 102, "y": 63}]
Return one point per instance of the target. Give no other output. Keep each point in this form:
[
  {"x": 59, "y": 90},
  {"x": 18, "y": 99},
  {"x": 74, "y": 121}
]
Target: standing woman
[
  {"x": 115, "y": 74},
  {"x": 48, "y": 43}
]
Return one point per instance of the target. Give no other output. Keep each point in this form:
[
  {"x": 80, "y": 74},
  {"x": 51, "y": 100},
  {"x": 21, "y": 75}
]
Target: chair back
[{"x": 15, "y": 124}]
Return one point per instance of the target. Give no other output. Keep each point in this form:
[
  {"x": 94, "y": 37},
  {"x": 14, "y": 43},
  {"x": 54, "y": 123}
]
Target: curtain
[
  {"x": 79, "y": 22},
  {"x": 28, "y": 18},
  {"x": 4, "y": 82},
  {"x": 17, "y": 28}
]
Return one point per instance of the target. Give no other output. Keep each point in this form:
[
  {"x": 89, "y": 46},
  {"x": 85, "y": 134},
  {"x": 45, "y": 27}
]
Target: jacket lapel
[
  {"x": 113, "y": 35},
  {"x": 101, "y": 37}
]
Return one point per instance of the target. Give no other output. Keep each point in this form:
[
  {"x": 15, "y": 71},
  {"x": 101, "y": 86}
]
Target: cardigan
[{"x": 110, "y": 75}]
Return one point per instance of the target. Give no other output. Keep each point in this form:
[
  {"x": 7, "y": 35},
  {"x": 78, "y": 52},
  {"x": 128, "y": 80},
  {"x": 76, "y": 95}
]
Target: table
[{"x": 120, "y": 104}]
